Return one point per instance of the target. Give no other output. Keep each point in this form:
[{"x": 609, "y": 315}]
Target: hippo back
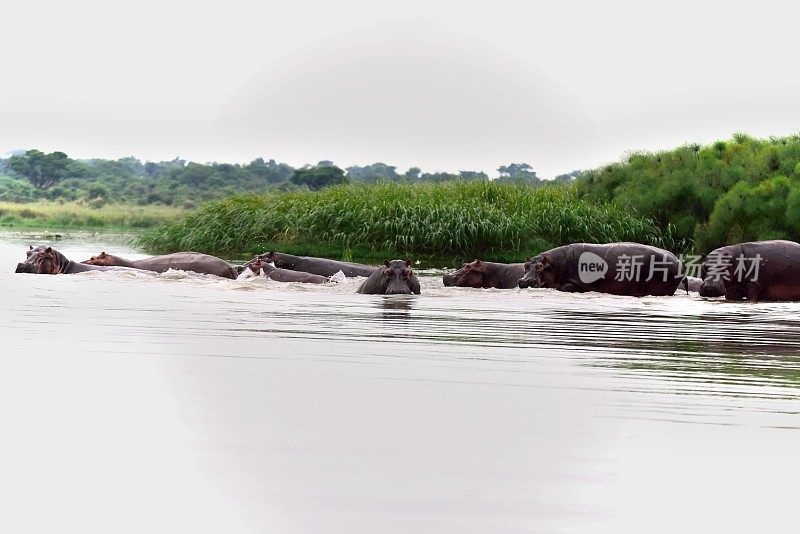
[
  {"x": 756, "y": 270},
  {"x": 319, "y": 266},
  {"x": 631, "y": 269},
  {"x": 188, "y": 261},
  {"x": 287, "y": 275}
]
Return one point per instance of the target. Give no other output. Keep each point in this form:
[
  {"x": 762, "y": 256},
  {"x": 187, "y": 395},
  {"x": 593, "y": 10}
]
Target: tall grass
[
  {"x": 76, "y": 215},
  {"x": 455, "y": 220}
]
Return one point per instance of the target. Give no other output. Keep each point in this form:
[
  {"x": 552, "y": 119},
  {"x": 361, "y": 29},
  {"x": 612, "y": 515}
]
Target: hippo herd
[
  {"x": 763, "y": 270},
  {"x": 393, "y": 278}
]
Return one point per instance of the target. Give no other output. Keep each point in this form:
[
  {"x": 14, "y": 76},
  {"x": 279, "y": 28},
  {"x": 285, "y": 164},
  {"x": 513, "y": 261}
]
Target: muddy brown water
[{"x": 186, "y": 403}]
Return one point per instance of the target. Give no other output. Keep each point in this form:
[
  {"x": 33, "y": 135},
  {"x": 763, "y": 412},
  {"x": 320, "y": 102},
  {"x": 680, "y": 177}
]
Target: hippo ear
[
  {"x": 408, "y": 263},
  {"x": 528, "y": 259},
  {"x": 31, "y": 247},
  {"x": 48, "y": 249},
  {"x": 103, "y": 254},
  {"x": 386, "y": 263},
  {"x": 478, "y": 262},
  {"x": 543, "y": 264}
]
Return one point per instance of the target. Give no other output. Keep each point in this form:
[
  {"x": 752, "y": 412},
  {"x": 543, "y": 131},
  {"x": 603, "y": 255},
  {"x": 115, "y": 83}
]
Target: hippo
[
  {"x": 630, "y": 269},
  {"x": 691, "y": 284},
  {"x": 47, "y": 260},
  {"x": 756, "y": 270},
  {"x": 283, "y": 275},
  {"x": 393, "y": 278},
  {"x": 712, "y": 288},
  {"x": 183, "y": 261},
  {"x": 320, "y": 266},
  {"x": 486, "y": 274}
]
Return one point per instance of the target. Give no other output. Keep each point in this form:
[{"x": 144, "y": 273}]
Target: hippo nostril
[
  {"x": 403, "y": 291},
  {"x": 711, "y": 290}
]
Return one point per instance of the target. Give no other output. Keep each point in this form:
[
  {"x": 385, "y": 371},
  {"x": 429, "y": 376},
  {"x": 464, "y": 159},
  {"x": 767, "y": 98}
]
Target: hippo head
[
  {"x": 714, "y": 270},
  {"x": 268, "y": 257},
  {"x": 539, "y": 272},
  {"x": 712, "y": 288},
  {"x": 473, "y": 274},
  {"x": 101, "y": 259},
  {"x": 397, "y": 277},
  {"x": 257, "y": 264},
  {"x": 254, "y": 267},
  {"x": 43, "y": 260}
]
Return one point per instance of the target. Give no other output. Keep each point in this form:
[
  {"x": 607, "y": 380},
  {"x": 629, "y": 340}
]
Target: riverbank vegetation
[
  {"x": 451, "y": 221},
  {"x": 72, "y": 215},
  {"x": 744, "y": 189},
  {"x": 693, "y": 198}
]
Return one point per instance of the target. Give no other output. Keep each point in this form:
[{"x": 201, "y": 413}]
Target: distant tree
[
  {"x": 318, "y": 177},
  {"x": 373, "y": 173},
  {"x": 97, "y": 191},
  {"x": 193, "y": 175},
  {"x": 438, "y": 177},
  {"x": 567, "y": 177},
  {"x": 132, "y": 164},
  {"x": 412, "y": 174},
  {"x": 42, "y": 170},
  {"x": 517, "y": 172},
  {"x": 473, "y": 176},
  {"x": 152, "y": 169},
  {"x": 270, "y": 171}
]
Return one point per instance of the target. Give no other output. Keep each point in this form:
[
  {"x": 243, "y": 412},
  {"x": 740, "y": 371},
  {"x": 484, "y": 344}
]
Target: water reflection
[
  {"x": 456, "y": 409},
  {"x": 395, "y": 307}
]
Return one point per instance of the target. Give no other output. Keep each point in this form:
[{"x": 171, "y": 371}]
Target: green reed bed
[
  {"x": 57, "y": 215},
  {"x": 450, "y": 220}
]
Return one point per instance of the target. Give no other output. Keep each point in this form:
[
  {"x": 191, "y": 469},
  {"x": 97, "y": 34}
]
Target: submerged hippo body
[
  {"x": 691, "y": 284},
  {"x": 485, "y": 274},
  {"x": 393, "y": 278},
  {"x": 605, "y": 268},
  {"x": 284, "y": 275},
  {"x": 181, "y": 261},
  {"x": 47, "y": 260},
  {"x": 319, "y": 266},
  {"x": 712, "y": 288},
  {"x": 757, "y": 270}
]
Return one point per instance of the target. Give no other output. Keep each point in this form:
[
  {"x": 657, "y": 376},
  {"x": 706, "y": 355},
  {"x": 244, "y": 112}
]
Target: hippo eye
[
  {"x": 406, "y": 273},
  {"x": 387, "y": 272}
]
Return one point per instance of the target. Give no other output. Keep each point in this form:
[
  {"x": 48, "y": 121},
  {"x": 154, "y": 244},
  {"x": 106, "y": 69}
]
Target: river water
[{"x": 186, "y": 403}]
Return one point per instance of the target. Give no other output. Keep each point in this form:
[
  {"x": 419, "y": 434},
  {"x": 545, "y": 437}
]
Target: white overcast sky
[{"x": 442, "y": 85}]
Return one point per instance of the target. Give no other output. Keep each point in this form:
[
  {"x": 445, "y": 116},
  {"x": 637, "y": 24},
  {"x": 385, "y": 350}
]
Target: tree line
[{"x": 35, "y": 175}]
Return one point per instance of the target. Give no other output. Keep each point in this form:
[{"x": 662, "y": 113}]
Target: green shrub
[{"x": 690, "y": 188}]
